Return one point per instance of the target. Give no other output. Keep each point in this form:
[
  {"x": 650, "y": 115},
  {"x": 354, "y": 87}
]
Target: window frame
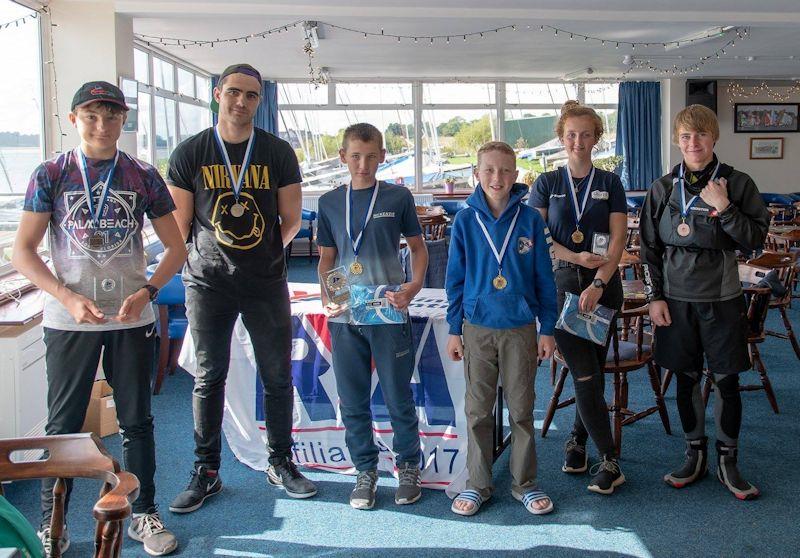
[{"x": 499, "y": 107}]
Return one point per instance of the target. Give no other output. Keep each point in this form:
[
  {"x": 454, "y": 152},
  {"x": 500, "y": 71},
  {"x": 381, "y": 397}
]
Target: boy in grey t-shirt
[
  {"x": 368, "y": 247},
  {"x": 94, "y": 199}
]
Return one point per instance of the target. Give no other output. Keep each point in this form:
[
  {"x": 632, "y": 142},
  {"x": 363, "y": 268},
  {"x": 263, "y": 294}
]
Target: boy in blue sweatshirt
[{"x": 499, "y": 281}]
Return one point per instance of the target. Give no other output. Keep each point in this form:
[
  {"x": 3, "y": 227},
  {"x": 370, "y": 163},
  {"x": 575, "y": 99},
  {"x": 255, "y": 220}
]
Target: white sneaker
[
  {"x": 148, "y": 529},
  {"x": 44, "y": 536}
]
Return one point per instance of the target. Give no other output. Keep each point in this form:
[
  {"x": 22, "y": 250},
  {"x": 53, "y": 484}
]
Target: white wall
[
  {"x": 770, "y": 175},
  {"x": 91, "y": 43}
]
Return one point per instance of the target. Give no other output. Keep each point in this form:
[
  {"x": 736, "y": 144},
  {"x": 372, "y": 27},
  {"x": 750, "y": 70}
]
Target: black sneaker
[
  {"x": 575, "y": 458},
  {"x": 286, "y": 475},
  {"x": 202, "y": 484},
  {"x": 728, "y": 473},
  {"x": 363, "y": 495},
  {"x": 694, "y": 467},
  {"x": 409, "y": 488},
  {"x": 606, "y": 476}
]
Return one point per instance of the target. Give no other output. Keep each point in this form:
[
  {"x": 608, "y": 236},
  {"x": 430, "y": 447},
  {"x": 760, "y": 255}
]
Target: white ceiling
[{"x": 521, "y": 54}]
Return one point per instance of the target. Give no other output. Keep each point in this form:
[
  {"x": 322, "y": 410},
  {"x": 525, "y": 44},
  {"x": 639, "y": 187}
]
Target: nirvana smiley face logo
[{"x": 237, "y": 224}]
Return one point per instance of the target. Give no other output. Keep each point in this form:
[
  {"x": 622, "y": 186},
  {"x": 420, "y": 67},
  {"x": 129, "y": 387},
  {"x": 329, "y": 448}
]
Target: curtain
[
  {"x": 267, "y": 113},
  {"x": 639, "y": 133}
]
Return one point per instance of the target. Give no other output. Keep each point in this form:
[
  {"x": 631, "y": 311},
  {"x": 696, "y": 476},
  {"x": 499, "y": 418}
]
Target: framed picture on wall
[
  {"x": 766, "y": 148},
  {"x": 766, "y": 117}
]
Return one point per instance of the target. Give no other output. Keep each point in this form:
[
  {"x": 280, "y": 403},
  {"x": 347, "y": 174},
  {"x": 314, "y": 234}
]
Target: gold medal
[
  {"x": 684, "y": 229},
  {"x": 237, "y": 209},
  {"x": 96, "y": 241},
  {"x": 499, "y": 282},
  {"x": 356, "y": 268},
  {"x": 577, "y": 237}
]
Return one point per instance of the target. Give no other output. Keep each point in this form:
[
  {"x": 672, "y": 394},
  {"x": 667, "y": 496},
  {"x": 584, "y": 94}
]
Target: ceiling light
[
  {"x": 578, "y": 74},
  {"x": 702, "y": 37}
]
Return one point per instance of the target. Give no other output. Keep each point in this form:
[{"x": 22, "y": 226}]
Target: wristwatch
[
  {"x": 598, "y": 284},
  {"x": 152, "y": 290}
]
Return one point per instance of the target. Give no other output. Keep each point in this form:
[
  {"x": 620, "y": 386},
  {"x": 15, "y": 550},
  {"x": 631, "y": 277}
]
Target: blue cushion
[
  {"x": 303, "y": 233},
  {"x": 173, "y": 292},
  {"x": 776, "y": 198},
  {"x": 451, "y": 207},
  {"x": 634, "y": 201},
  {"x": 308, "y": 215}
]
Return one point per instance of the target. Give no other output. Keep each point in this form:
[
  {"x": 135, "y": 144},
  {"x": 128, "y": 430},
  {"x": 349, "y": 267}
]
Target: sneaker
[
  {"x": 148, "y": 529},
  {"x": 409, "y": 488},
  {"x": 694, "y": 466},
  {"x": 606, "y": 476},
  {"x": 363, "y": 495},
  {"x": 575, "y": 458},
  {"x": 728, "y": 473},
  {"x": 285, "y": 474},
  {"x": 44, "y": 536},
  {"x": 202, "y": 484}
]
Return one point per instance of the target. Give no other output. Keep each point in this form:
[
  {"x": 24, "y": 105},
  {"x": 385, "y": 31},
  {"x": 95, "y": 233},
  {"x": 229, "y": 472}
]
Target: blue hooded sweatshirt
[{"x": 527, "y": 265}]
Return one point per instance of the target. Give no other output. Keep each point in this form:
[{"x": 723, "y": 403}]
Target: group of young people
[{"x": 232, "y": 202}]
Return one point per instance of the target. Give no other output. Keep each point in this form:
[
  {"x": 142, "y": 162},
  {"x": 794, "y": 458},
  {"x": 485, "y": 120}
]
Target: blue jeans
[{"x": 392, "y": 348}]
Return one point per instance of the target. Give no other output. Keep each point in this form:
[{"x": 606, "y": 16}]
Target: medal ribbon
[
  {"x": 347, "y": 210},
  {"x": 498, "y": 255},
  {"x": 684, "y": 206},
  {"x": 236, "y": 182},
  {"x": 579, "y": 209},
  {"x": 95, "y": 212}
]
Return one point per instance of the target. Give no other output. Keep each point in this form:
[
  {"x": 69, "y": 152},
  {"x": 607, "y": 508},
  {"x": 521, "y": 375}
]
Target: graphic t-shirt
[
  {"x": 104, "y": 263},
  {"x": 394, "y": 214},
  {"x": 241, "y": 253}
]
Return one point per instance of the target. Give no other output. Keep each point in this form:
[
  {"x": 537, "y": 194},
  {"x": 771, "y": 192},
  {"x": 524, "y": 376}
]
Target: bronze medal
[
  {"x": 237, "y": 209},
  {"x": 684, "y": 230},
  {"x": 96, "y": 241},
  {"x": 577, "y": 237},
  {"x": 499, "y": 282},
  {"x": 356, "y": 268}
]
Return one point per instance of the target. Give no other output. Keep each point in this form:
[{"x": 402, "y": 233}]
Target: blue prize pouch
[
  {"x": 369, "y": 306},
  {"x": 594, "y": 326}
]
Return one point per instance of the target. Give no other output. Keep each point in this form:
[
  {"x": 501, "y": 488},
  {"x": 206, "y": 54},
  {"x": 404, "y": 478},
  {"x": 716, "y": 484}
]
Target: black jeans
[
  {"x": 586, "y": 359},
  {"x": 266, "y": 315},
  {"x": 71, "y": 361}
]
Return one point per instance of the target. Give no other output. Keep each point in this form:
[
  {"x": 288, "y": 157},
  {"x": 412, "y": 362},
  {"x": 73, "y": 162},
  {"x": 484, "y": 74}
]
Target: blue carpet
[{"x": 644, "y": 518}]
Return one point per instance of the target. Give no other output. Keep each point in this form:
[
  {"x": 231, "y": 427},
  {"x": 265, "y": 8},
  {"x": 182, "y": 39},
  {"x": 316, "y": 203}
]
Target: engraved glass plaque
[
  {"x": 600, "y": 243},
  {"x": 337, "y": 287},
  {"x": 109, "y": 293}
]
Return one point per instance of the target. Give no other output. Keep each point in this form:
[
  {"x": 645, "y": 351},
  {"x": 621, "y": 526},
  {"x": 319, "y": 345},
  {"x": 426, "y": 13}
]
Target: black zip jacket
[{"x": 701, "y": 267}]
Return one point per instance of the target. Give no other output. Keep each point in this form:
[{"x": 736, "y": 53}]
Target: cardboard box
[{"x": 101, "y": 415}]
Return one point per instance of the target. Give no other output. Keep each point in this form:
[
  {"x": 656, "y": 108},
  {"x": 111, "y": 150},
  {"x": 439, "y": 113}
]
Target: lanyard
[
  {"x": 579, "y": 209},
  {"x": 236, "y": 183},
  {"x": 684, "y": 206},
  {"x": 498, "y": 255},
  {"x": 347, "y": 210},
  {"x": 95, "y": 212}
]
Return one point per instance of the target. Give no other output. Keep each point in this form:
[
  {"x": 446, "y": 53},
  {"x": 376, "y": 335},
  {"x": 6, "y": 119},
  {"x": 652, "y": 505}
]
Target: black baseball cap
[
  {"x": 245, "y": 69},
  {"x": 94, "y": 91}
]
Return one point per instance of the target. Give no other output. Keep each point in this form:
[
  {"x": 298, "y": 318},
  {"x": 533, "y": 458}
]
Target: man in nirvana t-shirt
[{"x": 238, "y": 198}]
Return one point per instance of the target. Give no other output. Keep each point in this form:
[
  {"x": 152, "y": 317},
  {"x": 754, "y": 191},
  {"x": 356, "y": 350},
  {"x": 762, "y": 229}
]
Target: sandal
[
  {"x": 471, "y": 496},
  {"x": 532, "y": 496}
]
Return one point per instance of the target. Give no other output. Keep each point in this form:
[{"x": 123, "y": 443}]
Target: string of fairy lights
[
  {"x": 317, "y": 76},
  {"x": 22, "y": 20},
  {"x": 737, "y": 91}
]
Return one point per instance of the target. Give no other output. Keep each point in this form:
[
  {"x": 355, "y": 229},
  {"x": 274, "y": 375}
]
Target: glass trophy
[
  {"x": 337, "y": 287},
  {"x": 109, "y": 294},
  {"x": 600, "y": 243}
]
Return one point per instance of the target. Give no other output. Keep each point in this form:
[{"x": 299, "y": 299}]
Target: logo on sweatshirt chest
[{"x": 524, "y": 245}]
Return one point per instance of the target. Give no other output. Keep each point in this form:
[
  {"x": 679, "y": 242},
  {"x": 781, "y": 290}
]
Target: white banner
[{"x": 437, "y": 386}]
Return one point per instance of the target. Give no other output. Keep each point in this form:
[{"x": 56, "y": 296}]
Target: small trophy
[
  {"x": 600, "y": 244},
  {"x": 337, "y": 288},
  {"x": 109, "y": 294}
]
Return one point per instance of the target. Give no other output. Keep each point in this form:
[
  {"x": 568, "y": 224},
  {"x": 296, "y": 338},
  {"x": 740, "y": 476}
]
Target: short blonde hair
[
  {"x": 500, "y": 146},
  {"x": 696, "y": 118},
  {"x": 573, "y": 109}
]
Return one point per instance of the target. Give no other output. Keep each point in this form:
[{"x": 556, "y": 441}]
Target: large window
[
  {"x": 454, "y": 119},
  {"x": 21, "y": 116},
  {"x": 173, "y": 108}
]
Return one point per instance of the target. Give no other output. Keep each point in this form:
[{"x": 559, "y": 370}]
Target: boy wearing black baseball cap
[{"x": 93, "y": 199}]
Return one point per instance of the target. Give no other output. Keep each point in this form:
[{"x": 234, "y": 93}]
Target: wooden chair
[
  {"x": 757, "y": 309},
  {"x": 433, "y": 226},
  {"x": 76, "y": 456},
  {"x": 624, "y": 357},
  {"x": 785, "y": 263}
]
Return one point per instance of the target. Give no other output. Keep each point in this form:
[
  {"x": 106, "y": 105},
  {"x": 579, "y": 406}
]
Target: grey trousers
[{"x": 509, "y": 354}]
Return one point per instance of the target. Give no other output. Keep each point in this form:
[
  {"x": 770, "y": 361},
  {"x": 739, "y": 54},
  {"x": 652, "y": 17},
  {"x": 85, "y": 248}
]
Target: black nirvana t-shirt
[{"x": 227, "y": 251}]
